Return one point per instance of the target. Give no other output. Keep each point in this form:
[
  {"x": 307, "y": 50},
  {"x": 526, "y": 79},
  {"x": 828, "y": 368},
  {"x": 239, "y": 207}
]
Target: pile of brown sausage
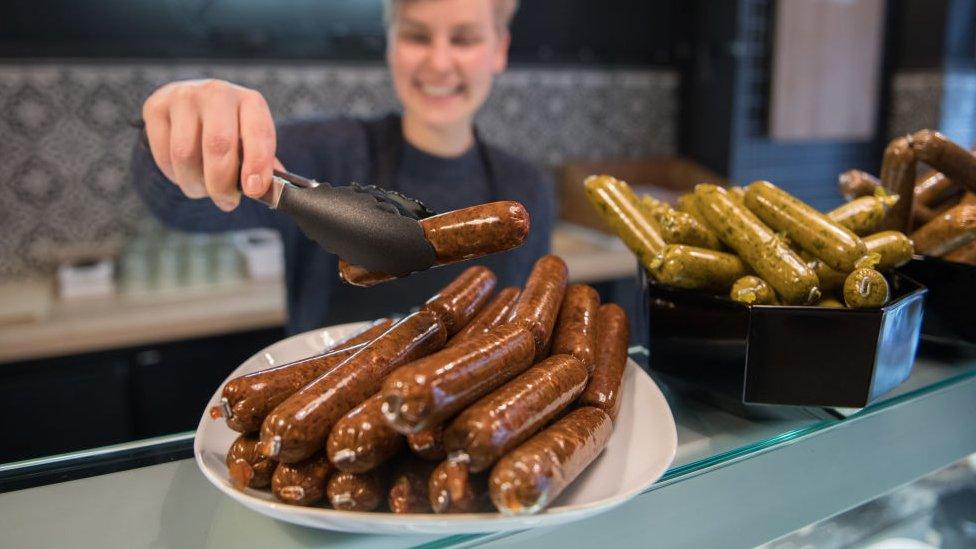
[
  {"x": 473, "y": 400},
  {"x": 942, "y": 216}
]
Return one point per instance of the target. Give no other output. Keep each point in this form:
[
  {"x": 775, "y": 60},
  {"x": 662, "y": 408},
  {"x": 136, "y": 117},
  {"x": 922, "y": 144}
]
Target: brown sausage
[
  {"x": 357, "y": 491},
  {"x": 947, "y": 232},
  {"x": 428, "y": 443},
  {"x": 452, "y": 488},
  {"x": 946, "y": 156},
  {"x": 499, "y": 422},
  {"x": 963, "y": 254},
  {"x": 492, "y": 315},
  {"x": 247, "y": 399},
  {"x": 613, "y": 335},
  {"x": 968, "y": 198},
  {"x": 430, "y": 390},
  {"x": 533, "y": 475},
  {"x": 856, "y": 183},
  {"x": 538, "y": 306},
  {"x": 301, "y": 483},
  {"x": 246, "y": 467},
  {"x": 934, "y": 188},
  {"x": 361, "y": 440},
  {"x": 898, "y": 177},
  {"x": 458, "y": 302},
  {"x": 298, "y": 427},
  {"x": 409, "y": 489},
  {"x": 575, "y": 332},
  {"x": 460, "y": 235}
]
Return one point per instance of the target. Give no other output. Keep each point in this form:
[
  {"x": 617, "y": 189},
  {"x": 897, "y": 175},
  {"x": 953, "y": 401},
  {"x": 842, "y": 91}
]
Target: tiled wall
[{"x": 65, "y": 144}]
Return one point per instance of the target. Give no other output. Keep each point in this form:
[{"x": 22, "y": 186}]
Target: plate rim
[{"x": 489, "y": 519}]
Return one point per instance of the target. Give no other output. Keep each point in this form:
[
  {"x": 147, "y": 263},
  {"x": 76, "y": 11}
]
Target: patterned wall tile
[{"x": 64, "y": 139}]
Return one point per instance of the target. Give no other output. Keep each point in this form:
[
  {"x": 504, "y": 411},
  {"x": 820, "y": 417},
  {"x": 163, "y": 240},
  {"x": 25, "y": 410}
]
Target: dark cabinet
[{"x": 64, "y": 404}]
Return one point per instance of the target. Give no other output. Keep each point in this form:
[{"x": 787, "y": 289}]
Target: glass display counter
[{"x": 737, "y": 479}]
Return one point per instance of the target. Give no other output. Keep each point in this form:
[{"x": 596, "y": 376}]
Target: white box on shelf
[{"x": 263, "y": 253}]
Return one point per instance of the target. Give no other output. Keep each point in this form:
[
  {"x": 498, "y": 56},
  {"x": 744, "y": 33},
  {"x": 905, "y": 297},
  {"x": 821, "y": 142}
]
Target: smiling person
[{"x": 207, "y": 138}]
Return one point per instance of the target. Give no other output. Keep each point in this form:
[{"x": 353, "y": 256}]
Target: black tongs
[{"x": 365, "y": 225}]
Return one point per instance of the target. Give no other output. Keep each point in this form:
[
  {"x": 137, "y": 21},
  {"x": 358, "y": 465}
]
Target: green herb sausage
[
  {"x": 893, "y": 248},
  {"x": 864, "y": 215},
  {"x": 835, "y": 245},
  {"x": 758, "y": 246},
  {"x": 753, "y": 290},
  {"x": 830, "y": 302},
  {"x": 615, "y": 203},
  {"x": 865, "y": 288},
  {"x": 678, "y": 227},
  {"x": 696, "y": 268},
  {"x": 688, "y": 204}
]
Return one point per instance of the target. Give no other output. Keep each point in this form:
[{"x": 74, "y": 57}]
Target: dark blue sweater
[{"x": 343, "y": 150}]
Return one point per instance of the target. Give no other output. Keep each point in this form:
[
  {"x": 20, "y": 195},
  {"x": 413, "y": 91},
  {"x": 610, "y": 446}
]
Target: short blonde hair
[{"x": 504, "y": 12}]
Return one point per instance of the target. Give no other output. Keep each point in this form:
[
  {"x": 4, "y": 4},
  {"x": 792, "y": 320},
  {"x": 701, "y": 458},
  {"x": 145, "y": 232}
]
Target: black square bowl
[
  {"x": 949, "y": 304},
  {"x": 805, "y": 356}
]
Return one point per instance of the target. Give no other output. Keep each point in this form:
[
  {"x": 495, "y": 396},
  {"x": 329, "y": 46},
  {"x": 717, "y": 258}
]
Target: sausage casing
[
  {"x": 361, "y": 440},
  {"x": 432, "y": 389},
  {"x": 854, "y": 184},
  {"x": 752, "y": 290},
  {"x": 947, "y": 232},
  {"x": 538, "y": 306},
  {"x": 613, "y": 336},
  {"x": 301, "y": 483},
  {"x": 428, "y": 443},
  {"x": 865, "y": 214},
  {"x": 946, "y": 156},
  {"x": 898, "y": 177},
  {"x": 458, "y": 302},
  {"x": 247, "y": 399},
  {"x": 533, "y": 475},
  {"x": 357, "y": 491},
  {"x": 453, "y": 488},
  {"x": 502, "y": 420},
  {"x": 409, "y": 488},
  {"x": 246, "y": 466},
  {"x": 695, "y": 268},
  {"x": 619, "y": 208},
  {"x": 575, "y": 332},
  {"x": 816, "y": 233},
  {"x": 494, "y": 314},
  {"x": 758, "y": 246},
  {"x": 298, "y": 427}
]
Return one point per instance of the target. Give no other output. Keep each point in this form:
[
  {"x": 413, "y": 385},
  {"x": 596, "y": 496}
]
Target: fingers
[
  {"x": 184, "y": 148},
  {"x": 258, "y": 139},
  {"x": 219, "y": 141},
  {"x": 156, "y": 115}
]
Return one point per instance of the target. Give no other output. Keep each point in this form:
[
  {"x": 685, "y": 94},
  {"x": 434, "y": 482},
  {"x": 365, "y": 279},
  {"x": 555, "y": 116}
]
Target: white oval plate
[{"x": 641, "y": 448}]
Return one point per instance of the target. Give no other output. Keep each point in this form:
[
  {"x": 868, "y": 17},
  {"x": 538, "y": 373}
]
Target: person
[{"x": 207, "y": 138}]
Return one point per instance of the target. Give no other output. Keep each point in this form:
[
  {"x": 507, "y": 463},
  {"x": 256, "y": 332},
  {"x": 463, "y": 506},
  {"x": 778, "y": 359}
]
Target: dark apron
[{"x": 349, "y": 303}]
